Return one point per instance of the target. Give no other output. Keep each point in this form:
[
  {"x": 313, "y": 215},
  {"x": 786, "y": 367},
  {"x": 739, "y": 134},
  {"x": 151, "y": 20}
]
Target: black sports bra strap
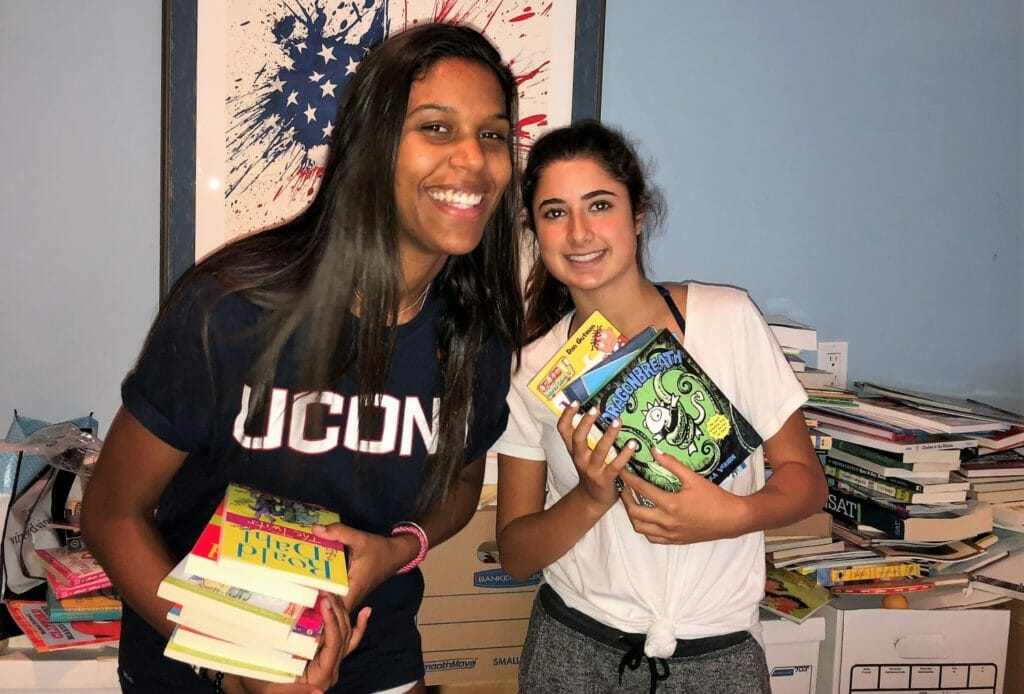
[{"x": 672, "y": 307}]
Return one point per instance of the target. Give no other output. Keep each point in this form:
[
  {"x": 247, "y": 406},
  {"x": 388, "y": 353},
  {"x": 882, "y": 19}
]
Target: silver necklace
[{"x": 418, "y": 303}]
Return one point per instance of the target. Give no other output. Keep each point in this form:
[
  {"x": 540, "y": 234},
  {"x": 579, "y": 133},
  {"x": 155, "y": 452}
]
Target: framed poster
[{"x": 251, "y": 88}]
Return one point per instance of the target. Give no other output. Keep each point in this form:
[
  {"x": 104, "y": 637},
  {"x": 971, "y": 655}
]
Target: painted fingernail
[
  {"x": 632, "y": 445},
  {"x": 658, "y": 451},
  {"x": 592, "y": 411},
  {"x": 616, "y": 422}
]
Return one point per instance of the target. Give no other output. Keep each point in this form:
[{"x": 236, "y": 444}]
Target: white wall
[
  {"x": 857, "y": 164},
  {"x": 79, "y": 201}
]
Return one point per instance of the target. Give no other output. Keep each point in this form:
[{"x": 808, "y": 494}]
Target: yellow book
[
  {"x": 269, "y": 534},
  {"x": 594, "y": 340}
]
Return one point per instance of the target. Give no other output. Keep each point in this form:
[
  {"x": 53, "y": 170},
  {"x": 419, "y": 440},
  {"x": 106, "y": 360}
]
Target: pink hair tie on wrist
[{"x": 410, "y": 528}]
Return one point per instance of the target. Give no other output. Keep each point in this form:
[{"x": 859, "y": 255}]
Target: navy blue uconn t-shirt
[{"x": 197, "y": 402}]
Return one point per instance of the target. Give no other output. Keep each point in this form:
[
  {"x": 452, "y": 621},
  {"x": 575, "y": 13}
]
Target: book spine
[
  {"x": 853, "y": 509},
  {"x": 869, "y": 454},
  {"x": 70, "y": 575},
  {"x": 886, "y": 487},
  {"x": 61, "y": 591},
  {"x": 830, "y": 577}
]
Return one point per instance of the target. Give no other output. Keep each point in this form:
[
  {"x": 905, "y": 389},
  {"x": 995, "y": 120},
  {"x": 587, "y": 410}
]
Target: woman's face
[
  {"x": 453, "y": 161},
  {"x": 586, "y": 230}
]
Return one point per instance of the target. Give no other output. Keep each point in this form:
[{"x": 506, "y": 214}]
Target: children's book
[
  {"x": 70, "y": 567},
  {"x": 273, "y": 536},
  {"x": 665, "y": 399},
  {"x": 791, "y": 595},
  {"x": 588, "y": 382},
  {"x": 46, "y": 636},
  {"x": 269, "y": 616},
  {"x": 94, "y": 606},
  {"x": 302, "y": 640},
  {"x": 62, "y": 590},
  {"x": 276, "y": 660},
  {"x": 197, "y": 649},
  {"x": 590, "y": 344},
  {"x": 202, "y": 561}
]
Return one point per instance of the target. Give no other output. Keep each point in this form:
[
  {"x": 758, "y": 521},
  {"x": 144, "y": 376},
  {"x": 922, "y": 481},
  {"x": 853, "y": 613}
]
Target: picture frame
[{"x": 183, "y": 96}]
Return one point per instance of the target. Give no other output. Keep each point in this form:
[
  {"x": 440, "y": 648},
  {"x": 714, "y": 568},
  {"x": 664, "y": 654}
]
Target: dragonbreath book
[{"x": 665, "y": 399}]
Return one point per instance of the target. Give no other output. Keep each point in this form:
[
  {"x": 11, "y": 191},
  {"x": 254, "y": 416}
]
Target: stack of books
[
  {"x": 798, "y": 341},
  {"x": 246, "y": 596},
  {"x": 77, "y": 588}
]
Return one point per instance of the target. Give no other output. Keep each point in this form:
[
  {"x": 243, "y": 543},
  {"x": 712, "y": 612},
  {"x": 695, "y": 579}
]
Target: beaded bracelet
[
  {"x": 408, "y": 527},
  {"x": 218, "y": 678}
]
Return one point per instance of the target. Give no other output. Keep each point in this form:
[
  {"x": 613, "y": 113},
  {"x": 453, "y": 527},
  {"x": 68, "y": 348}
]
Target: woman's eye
[
  {"x": 600, "y": 205},
  {"x": 494, "y": 135},
  {"x": 434, "y": 128},
  {"x": 553, "y": 213}
]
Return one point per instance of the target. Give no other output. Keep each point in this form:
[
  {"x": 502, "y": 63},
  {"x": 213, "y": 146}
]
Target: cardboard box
[
  {"x": 1015, "y": 648},
  {"x": 815, "y": 525},
  {"x": 920, "y": 651},
  {"x": 474, "y": 615},
  {"x": 792, "y": 652},
  {"x": 89, "y": 669},
  {"x": 498, "y": 687}
]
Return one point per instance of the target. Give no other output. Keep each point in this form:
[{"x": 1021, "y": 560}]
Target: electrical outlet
[{"x": 832, "y": 358}]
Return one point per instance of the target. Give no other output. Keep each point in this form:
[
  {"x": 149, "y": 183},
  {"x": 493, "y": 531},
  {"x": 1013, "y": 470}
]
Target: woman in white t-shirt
[{"x": 674, "y": 587}]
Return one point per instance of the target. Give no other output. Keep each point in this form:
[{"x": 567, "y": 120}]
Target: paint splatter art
[{"x": 287, "y": 63}]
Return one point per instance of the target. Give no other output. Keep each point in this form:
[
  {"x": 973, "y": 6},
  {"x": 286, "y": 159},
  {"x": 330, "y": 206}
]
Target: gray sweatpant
[{"x": 559, "y": 660}]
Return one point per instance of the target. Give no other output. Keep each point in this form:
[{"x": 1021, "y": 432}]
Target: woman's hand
[
  {"x": 597, "y": 473},
  {"x": 372, "y": 559},
  {"x": 339, "y": 639},
  {"x": 700, "y": 511}
]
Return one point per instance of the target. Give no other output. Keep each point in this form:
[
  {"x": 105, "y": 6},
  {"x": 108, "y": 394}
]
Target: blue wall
[{"x": 855, "y": 164}]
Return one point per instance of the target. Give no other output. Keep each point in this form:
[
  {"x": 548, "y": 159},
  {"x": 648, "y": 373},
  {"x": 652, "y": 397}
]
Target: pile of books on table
[
  {"x": 926, "y": 491},
  {"x": 81, "y": 607},
  {"x": 246, "y": 596}
]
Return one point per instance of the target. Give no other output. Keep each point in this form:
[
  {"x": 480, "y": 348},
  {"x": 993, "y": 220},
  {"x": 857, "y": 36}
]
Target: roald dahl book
[
  {"x": 665, "y": 399},
  {"x": 264, "y": 533}
]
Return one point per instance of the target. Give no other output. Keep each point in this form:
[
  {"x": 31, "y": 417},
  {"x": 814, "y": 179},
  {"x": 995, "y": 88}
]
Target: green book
[{"x": 666, "y": 400}]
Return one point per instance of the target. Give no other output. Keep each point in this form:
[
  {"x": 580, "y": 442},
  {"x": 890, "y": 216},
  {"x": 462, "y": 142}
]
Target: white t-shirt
[{"x": 614, "y": 574}]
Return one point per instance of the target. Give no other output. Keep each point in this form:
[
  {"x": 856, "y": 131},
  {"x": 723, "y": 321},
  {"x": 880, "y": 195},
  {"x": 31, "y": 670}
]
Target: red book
[{"x": 70, "y": 567}]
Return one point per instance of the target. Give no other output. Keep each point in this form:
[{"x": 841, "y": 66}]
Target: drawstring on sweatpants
[{"x": 634, "y": 656}]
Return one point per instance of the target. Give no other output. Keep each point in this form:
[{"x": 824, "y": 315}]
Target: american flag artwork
[{"x": 265, "y": 119}]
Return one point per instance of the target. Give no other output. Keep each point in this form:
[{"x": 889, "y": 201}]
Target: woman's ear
[{"x": 638, "y": 222}]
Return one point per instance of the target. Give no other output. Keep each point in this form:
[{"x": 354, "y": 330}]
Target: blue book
[{"x": 590, "y": 381}]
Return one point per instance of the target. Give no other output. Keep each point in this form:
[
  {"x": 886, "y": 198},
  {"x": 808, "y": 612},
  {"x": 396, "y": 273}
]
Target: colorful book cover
[
  {"x": 953, "y": 525},
  {"x": 588, "y": 382},
  {"x": 264, "y": 614},
  {"x": 264, "y": 533},
  {"x": 202, "y": 561},
  {"x": 844, "y": 574},
  {"x": 594, "y": 340},
  {"x": 94, "y": 606},
  {"x": 70, "y": 567},
  {"x": 47, "y": 636},
  {"x": 664, "y": 399},
  {"x": 791, "y": 595},
  {"x": 62, "y": 590}
]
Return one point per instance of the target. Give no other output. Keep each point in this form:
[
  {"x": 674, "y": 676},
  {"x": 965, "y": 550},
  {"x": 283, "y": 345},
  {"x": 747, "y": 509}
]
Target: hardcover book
[
  {"x": 594, "y": 340},
  {"x": 911, "y": 447},
  {"x": 273, "y": 536},
  {"x": 202, "y": 561},
  {"x": 665, "y": 399}
]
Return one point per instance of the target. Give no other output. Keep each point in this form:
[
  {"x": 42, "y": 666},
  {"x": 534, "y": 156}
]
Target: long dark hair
[
  {"x": 305, "y": 273},
  {"x": 547, "y": 299}
]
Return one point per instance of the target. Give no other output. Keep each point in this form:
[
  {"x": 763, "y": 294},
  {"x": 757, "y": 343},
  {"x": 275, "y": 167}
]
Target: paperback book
[
  {"x": 791, "y": 595},
  {"x": 273, "y": 536},
  {"x": 202, "y": 561},
  {"x": 95, "y": 606},
  {"x": 207, "y": 653},
  {"x": 47, "y": 636},
  {"x": 589, "y": 344},
  {"x": 857, "y": 511},
  {"x": 664, "y": 399},
  {"x": 71, "y": 567}
]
